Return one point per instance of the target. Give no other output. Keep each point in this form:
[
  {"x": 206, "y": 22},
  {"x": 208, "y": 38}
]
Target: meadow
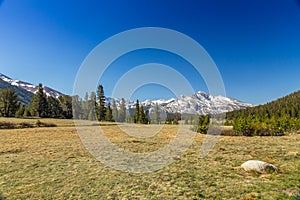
[{"x": 52, "y": 163}]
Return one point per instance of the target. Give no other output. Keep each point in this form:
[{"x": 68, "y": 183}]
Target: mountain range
[{"x": 199, "y": 103}]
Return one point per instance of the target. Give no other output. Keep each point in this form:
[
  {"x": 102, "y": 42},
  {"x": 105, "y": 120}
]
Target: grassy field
[{"x": 52, "y": 163}]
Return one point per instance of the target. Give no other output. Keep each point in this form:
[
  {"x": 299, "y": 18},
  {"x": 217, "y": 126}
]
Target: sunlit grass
[{"x": 51, "y": 163}]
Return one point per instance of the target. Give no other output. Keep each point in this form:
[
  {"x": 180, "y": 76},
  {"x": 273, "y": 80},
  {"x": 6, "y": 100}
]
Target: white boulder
[{"x": 258, "y": 166}]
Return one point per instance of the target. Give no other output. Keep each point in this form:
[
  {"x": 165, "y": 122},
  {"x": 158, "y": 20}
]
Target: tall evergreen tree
[
  {"x": 122, "y": 111},
  {"x": 77, "y": 107},
  {"x": 202, "y": 123},
  {"x": 26, "y": 113},
  {"x": 108, "y": 114},
  {"x": 54, "y": 107},
  {"x": 93, "y": 100},
  {"x": 92, "y": 104},
  {"x": 86, "y": 106},
  {"x": 20, "y": 111},
  {"x": 140, "y": 116},
  {"x": 137, "y": 117},
  {"x": 143, "y": 116},
  {"x": 66, "y": 104},
  {"x": 92, "y": 116},
  {"x": 115, "y": 113},
  {"x": 101, "y": 103},
  {"x": 177, "y": 117},
  {"x": 38, "y": 105},
  {"x": 8, "y": 102},
  {"x": 156, "y": 114}
]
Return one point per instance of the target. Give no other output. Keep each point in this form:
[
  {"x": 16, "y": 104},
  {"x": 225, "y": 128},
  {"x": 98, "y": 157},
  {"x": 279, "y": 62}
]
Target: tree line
[
  {"x": 92, "y": 107},
  {"x": 40, "y": 105}
]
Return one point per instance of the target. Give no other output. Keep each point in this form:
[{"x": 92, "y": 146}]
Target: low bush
[
  {"x": 25, "y": 125},
  {"x": 42, "y": 124},
  {"x": 7, "y": 125}
]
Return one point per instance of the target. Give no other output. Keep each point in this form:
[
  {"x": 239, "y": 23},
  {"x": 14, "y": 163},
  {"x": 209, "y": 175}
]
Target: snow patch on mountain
[{"x": 30, "y": 87}]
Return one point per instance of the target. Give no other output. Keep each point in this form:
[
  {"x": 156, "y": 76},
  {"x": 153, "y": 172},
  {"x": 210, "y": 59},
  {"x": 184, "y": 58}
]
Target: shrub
[
  {"x": 38, "y": 123},
  {"x": 42, "y": 124},
  {"x": 229, "y": 132},
  {"x": 6, "y": 125},
  {"x": 49, "y": 125},
  {"x": 202, "y": 129},
  {"x": 25, "y": 125}
]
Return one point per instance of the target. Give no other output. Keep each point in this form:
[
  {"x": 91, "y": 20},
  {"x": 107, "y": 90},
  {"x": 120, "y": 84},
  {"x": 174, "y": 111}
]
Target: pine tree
[
  {"x": 8, "y": 102},
  {"x": 136, "y": 117},
  {"x": 38, "y": 105},
  {"x": 177, "y": 117},
  {"x": 128, "y": 119},
  {"x": 101, "y": 103},
  {"x": 20, "y": 111},
  {"x": 54, "y": 107},
  {"x": 156, "y": 114},
  {"x": 147, "y": 121},
  {"x": 77, "y": 107},
  {"x": 92, "y": 116},
  {"x": 122, "y": 111},
  {"x": 92, "y": 107},
  {"x": 86, "y": 106},
  {"x": 66, "y": 105},
  {"x": 203, "y": 124},
  {"x": 115, "y": 111},
  {"x": 108, "y": 114},
  {"x": 27, "y": 113},
  {"x": 93, "y": 100},
  {"x": 191, "y": 120},
  {"x": 142, "y": 116},
  {"x": 196, "y": 121}
]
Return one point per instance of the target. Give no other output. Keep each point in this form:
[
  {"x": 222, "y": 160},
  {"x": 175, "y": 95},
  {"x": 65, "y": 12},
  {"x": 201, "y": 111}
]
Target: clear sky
[{"x": 255, "y": 44}]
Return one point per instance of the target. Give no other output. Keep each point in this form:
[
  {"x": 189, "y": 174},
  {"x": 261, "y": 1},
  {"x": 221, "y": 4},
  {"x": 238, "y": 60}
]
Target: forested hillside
[
  {"x": 275, "y": 118},
  {"x": 40, "y": 105},
  {"x": 23, "y": 95}
]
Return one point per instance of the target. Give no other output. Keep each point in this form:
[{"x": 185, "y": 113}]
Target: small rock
[{"x": 258, "y": 166}]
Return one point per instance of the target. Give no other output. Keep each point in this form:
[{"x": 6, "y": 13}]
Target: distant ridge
[{"x": 25, "y": 90}]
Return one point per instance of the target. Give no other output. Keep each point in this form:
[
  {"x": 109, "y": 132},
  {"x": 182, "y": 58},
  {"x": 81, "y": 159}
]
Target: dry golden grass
[{"x": 51, "y": 163}]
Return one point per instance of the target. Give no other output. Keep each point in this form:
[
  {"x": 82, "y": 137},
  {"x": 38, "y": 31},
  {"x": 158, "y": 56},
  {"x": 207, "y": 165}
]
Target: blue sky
[{"x": 255, "y": 44}]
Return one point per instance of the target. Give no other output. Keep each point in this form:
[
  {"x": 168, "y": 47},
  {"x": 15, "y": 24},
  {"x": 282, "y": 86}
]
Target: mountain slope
[
  {"x": 275, "y": 118},
  {"x": 9, "y": 82},
  {"x": 288, "y": 105},
  {"x": 23, "y": 95}
]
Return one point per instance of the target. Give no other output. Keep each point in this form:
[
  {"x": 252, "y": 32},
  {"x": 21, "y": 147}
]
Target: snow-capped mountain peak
[{"x": 200, "y": 103}]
